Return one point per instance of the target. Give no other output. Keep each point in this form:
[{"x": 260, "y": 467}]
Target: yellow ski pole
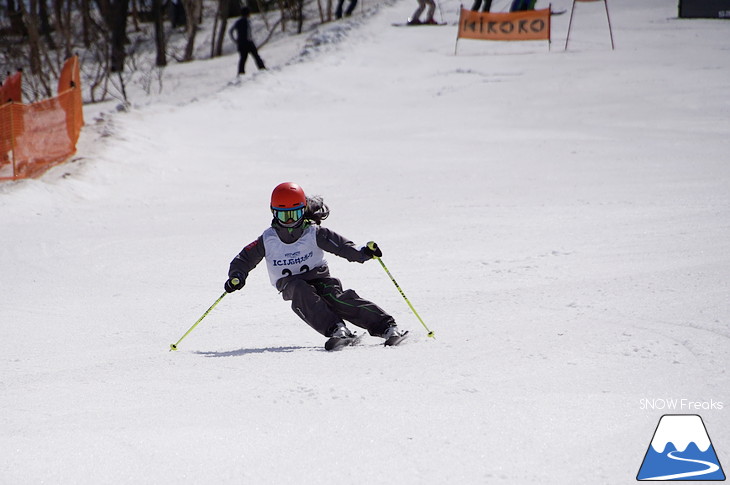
[
  {"x": 234, "y": 281},
  {"x": 372, "y": 246}
]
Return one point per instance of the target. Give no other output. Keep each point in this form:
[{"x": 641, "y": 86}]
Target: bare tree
[
  {"x": 224, "y": 11},
  {"x": 38, "y": 35},
  {"x": 45, "y": 24},
  {"x": 194, "y": 10},
  {"x": 64, "y": 26},
  {"x": 86, "y": 22},
  {"x": 160, "y": 44},
  {"x": 118, "y": 27},
  {"x": 15, "y": 15}
]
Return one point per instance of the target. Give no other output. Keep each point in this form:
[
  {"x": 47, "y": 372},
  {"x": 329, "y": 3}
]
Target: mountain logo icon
[{"x": 681, "y": 450}]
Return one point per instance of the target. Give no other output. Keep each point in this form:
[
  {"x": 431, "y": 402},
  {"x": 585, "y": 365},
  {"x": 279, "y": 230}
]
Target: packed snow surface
[{"x": 560, "y": 220}]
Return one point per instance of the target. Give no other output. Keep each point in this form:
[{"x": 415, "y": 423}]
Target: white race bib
[{"x": 284, "y": 260}]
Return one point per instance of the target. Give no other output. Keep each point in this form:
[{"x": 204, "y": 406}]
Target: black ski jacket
[{"x": 242, "y": 29}]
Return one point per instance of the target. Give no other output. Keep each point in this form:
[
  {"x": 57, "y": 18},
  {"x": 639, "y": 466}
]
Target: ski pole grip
[{"x": 374, "y": 249}]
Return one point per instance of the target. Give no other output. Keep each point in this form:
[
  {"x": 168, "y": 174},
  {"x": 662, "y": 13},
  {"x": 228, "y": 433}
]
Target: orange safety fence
[
  {"x": 10, "y": 90},
  {"x": 37, "y": 136}
]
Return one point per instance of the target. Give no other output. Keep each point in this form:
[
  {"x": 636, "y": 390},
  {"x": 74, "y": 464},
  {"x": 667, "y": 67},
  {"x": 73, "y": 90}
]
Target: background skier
[
  {"x": 484, "y": 5},
  {"x": 350, "y": 8},
  {"x": 294, "y": 248},
  {"x": 416, "y": 17},
  {"x": 244, "y": 40}
]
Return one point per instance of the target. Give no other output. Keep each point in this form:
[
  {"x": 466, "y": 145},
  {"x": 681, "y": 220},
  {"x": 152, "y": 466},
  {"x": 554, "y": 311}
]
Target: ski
[
  {"x": 406, "y": 24},
  {"x": 396, "y": 339},
  {"x": 337, "y": 343}
]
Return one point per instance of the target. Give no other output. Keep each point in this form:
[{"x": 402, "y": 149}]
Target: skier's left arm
[{"x": 340, "y": 246}]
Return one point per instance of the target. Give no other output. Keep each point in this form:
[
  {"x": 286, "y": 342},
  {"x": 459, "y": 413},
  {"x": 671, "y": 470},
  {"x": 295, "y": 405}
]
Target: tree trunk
[
  {"x": 299, "y": 6},
  {"x": 135, "y": 16},
  {"x": 224, "y": 7},
  {"x": 15, "y": 14},
  {"x": 86, "y": 23},
  {"x": 118, "y": 27},
  {"x": 157, "y": 14},
  {"x": 193, "y": 10},
  {"x": 34, "y": 37},
  {"x": 64, "y": 27},
  {"x": 45, "y": 24}
]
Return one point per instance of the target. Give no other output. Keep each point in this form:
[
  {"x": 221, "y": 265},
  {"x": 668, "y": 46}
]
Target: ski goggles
[{"x": 288, "y": 217}]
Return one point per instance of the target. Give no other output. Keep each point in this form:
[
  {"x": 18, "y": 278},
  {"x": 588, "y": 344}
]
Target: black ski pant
[
  {"x": 244, "y": 49},
  {"x": 323, "y": 304},
  {"x": 485, "y": 5},
  {"x": 348, "y": 12}
]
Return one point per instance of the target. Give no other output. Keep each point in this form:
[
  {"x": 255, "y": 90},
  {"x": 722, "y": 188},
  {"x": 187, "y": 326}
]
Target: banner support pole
[
  {"x": 570, "y": 25},
  {"x": 461, "y": 11},
  {"x": 608, "y": 17},
  {"x": 610, "y": 30}
]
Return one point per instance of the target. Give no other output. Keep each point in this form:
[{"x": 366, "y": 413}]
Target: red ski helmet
[{"x": 288, "y": 203}]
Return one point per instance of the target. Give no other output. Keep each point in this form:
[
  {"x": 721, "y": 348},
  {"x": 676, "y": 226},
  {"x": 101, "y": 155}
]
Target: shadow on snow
[{"x": 242, "y": 352}]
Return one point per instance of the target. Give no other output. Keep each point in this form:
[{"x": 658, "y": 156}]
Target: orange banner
[{"x": 525, "y": 25}]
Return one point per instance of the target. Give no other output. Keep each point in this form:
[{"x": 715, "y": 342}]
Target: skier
[
  {"x": 522, "y": 5},
  {"x": 416, "y": 17},
  {"x": 350, "y": 8},
  {"x": 244, "y": 40},
  {"x": 484, "y": 5},
  {"x": 294, "y": 248}
]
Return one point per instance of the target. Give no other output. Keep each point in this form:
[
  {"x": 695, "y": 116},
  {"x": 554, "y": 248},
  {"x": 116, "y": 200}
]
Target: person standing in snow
[
  {"x": 484, "y": 5},
  {"x": 348, "y": 12},
  {"x": 522, "y": 5},
  {"x": 293, "y": 248},
  {"x": 244, "y": 40},
  {"x": 416, "y": 17}
]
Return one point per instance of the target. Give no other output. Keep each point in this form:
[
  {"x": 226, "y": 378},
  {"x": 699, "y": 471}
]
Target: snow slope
[{"x": 559, "y": 219}]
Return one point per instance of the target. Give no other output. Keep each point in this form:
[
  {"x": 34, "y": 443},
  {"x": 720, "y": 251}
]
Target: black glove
[
  {"x": 371, "y": 249},
  {"x": 235, "y": 282}
]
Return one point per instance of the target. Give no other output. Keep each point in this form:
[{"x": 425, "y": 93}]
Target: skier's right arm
[{"x": 243, "y": 263}]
